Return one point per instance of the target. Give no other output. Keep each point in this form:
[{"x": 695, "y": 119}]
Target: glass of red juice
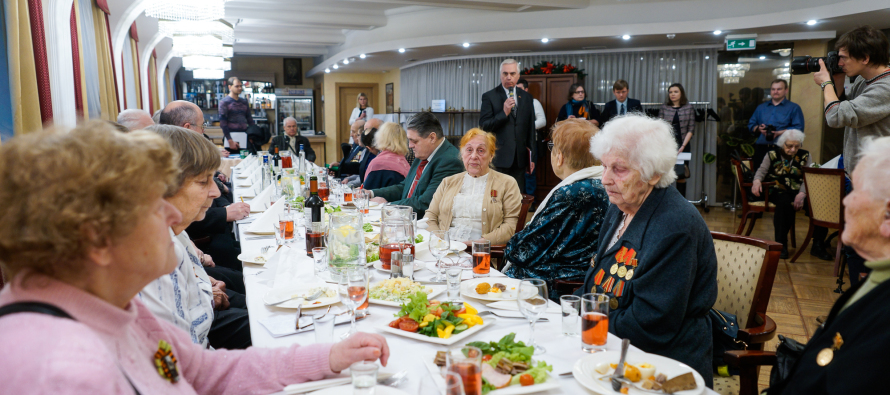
[{"x": 594, "y": 322}]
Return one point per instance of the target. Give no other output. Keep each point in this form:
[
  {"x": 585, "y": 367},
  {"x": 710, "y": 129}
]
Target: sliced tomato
[
  {"x": 526, "y": 380},
  {"x": 437, "y": 312},
  {"x": 395, "y": 323},
  {"x": 409, "y": 325},
  {"x": 461, "y": 311},
  {"x": 486, "y": 358}
]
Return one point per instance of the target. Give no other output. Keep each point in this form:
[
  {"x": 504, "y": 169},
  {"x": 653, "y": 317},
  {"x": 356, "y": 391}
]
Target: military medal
[
  {"x": 619, "y": 256},
  {"x": 613, "y": 269},
  {"x": 622, "y": 271},
  {"x": 613, "y": 303},
  {"x": 598, "y": 279},
  {"x": 629, "y": 275},
  {"x": 165, "y": 361},
  {"x": 827, "y": 354},
  {"x": 494, "y": 196}
]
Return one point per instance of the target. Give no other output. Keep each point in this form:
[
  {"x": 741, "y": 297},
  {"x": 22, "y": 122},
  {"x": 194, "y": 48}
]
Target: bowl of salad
[
  {"x": 436, "y": 322},
  {"x": 395, "y": 291}
]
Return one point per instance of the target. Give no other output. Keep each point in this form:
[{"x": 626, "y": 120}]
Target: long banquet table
[{"x": 406, "y": 354}]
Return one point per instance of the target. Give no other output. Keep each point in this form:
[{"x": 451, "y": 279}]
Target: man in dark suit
[
  {"x": 621, "y": 105},
  {"x": 435, "y": 159},
  {"x": 291, "y": 140},
  {"x": 509, "y": 114}
]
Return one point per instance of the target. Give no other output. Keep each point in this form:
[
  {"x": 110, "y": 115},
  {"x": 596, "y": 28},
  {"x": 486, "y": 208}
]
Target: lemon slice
[{"x": 345, "y": 229}]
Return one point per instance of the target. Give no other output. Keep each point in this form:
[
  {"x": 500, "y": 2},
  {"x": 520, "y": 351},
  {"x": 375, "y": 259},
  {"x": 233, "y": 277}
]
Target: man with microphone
[
  {"x": 509, "y": 114},
  {"x": 291, "y": 140}
]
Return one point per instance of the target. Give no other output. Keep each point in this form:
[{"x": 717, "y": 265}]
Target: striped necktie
[{"x": 420, "y": 168}]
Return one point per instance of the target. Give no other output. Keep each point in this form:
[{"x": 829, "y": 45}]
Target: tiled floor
[{"x": 802, "y": 291}]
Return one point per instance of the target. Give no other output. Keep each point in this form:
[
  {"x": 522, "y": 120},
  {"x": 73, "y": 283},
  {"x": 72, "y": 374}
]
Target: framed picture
[
  {"x": 293, "y": 71},
  {"x": 389, "y": 99}
]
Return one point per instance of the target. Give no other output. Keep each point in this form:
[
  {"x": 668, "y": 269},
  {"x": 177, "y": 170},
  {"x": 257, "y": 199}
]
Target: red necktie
[{"x": 420, "y": 168}]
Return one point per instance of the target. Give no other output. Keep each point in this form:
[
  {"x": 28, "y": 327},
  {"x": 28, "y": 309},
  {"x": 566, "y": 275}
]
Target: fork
[
  {"x": 484, "y": 313},
  {"x": 264, "y": 250},
  {"x": 395, "y": 379}
]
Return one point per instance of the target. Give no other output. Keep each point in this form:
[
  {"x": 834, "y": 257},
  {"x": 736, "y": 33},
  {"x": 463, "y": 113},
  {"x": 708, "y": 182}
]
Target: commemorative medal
[
  {"x": 613, "y": 269},
  {"x": 629, "y": 275},
  {"x": 622, "y": 271},
  {"x": 827, "y": 354},
  {"x": 165, "y": 362}
]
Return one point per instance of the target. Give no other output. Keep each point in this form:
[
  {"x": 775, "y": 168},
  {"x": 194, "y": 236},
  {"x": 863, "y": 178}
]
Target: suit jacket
[
  {"x": 663, "y": 308},
  {"x": 610, "y": 110},
  {"x": 515, "y": 134},
  {"x": 498, "y": 219},
  {"x": 283, "y": 143},
  {"x": 444, "y": 164}
]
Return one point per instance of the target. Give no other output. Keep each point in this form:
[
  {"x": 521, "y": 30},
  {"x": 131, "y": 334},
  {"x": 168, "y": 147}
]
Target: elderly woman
[
  {"x": 853, "y": 335},
  {"x": 784, "y": 166},
  {"x": 655, "y": 257},
  {"x": 563, "y": 233},
  {"x": 89, "y": 236},
  {"x": 389, "y": 166},
  {"x": 479, "y": 203}
]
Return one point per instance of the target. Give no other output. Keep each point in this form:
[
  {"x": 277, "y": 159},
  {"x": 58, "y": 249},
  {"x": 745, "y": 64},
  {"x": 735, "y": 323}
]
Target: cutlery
[
  {"x": 619, "y": 370},
  {"x": 264, "y": 250},
  {"x": 484, "y": 313},
  {"x": 566, "y": 374},
  {"x": 357, "y": 319},
  {"x": 314, "y": 318},
  {"x": 300, "y": 314},
  {"x": 394, "y": 380},
  {"x": 261, "y": 237},
  {"x": 309, "y": 298}
]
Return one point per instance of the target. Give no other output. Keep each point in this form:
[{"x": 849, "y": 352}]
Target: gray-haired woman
[{"x": 655, "y": 257}]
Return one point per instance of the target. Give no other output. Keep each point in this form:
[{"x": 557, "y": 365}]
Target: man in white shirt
[{"x": 531, "y": 182}]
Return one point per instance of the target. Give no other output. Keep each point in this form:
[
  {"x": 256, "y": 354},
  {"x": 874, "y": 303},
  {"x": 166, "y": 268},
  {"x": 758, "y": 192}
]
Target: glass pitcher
[
  {"x": 345, "y": 241},
  {"x": 396, "y": 234}
]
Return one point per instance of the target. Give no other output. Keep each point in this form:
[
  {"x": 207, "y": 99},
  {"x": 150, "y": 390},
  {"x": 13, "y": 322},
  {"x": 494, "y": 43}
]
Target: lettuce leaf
[
  {"x": 416, "y": 308},
  {"x": 539, "y": 373}
]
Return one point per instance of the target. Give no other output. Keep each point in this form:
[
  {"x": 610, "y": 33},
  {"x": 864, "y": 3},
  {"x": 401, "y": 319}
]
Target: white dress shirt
[{"x": 540, "y": 118}]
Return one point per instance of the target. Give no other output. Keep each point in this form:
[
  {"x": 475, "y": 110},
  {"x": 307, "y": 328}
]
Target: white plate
[
  {"x": 276, "y": 295},
  {"x": 550, "y": 384},
  {"x": 251, "y": 257},
  {"x": 423, "y": 249},
  {"x": 434, "y": 290},
  {"x": 347, "y": 390},
  {"x": 586, "y": 375},
  {"x": 487, "y": 322},
  {"x": 468, "y": 288}
]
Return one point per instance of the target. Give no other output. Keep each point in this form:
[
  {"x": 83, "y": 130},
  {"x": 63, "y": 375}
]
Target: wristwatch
[{"x": 826, "y": 83}]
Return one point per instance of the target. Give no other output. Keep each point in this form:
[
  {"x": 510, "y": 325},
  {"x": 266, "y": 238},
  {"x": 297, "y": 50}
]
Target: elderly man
[
  {"x": 509, "y": 114},
  {"x": 291, "y": 140},
  {"x": 355, "y": 148},
  {"x": 361, "y": 160},
  {"x": 134, "y": 119},
  {"x": 437, "y": 159}
]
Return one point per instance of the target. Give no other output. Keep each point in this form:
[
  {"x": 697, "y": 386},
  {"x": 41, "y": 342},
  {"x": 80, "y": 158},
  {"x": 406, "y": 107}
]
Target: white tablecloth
[{"x": 407, "y": 354}]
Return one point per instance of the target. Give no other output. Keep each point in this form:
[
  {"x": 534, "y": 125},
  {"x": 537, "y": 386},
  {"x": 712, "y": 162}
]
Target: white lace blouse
[{"x": 466, "y": 223}]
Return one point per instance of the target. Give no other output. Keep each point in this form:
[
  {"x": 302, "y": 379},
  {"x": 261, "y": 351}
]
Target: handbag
[
  {"x": 787, "y": 354},
  {"x": 726, "y": 330}
]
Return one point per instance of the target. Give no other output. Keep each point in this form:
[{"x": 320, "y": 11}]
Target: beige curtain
[
  {"x": 168, "y": 96},
  {"x": 83, "y": 75},
  {"x": 153, "y": 82},
  {"x": 22, "y": 72},
  {"x": 107, "y": 95},
  {"x": 138, "y": 73}
]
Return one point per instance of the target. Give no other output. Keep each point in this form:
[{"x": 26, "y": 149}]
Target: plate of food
[
  {"x": 296, "y": 294},
  {"x": 507, "y": 368},
  {"x": 649, "y": 374},
  {"x": 256, "y": 257},
  {"x": 490, "y": 288},
  {"x": 436, "y": 322},
  {"x": 395, "y": 291}
]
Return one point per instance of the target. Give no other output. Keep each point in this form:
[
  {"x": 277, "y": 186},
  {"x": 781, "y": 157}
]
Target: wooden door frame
[{"x": 372, "y": 95}]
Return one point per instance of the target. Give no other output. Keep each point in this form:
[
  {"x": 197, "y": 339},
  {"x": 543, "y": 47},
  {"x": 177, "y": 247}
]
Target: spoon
[
  {"x": 619, "y": 370},
  {"x": 309, "y": 298}
]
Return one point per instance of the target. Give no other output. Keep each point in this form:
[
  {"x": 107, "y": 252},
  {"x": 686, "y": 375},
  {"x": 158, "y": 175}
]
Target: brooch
[
  {"x": 494, "y": 196},
  {"x": 827, "y": 354},
  {"x": 165, "y": 361}
]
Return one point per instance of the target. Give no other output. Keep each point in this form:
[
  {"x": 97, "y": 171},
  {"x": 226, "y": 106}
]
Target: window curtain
[
  {"x": 153, "y": 85},
  {"x": 128, "y": 78},
  {"x": 7, "y": 129},
  {"x": 168, "y": 97},
  {"x": 88, "y": 59},
  {"x": 41, "y": 64},
  {"x": 106, "y": 74},
  {"x": 76, "y": 56},
  {"x": 137, "y": 75},
  {"x": 23, "y": 86}
]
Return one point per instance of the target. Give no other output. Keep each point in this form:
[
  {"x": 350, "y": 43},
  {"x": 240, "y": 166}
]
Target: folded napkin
[
  {"x": 257, "y": 175},
  {"x": 246, "y": 162},
  {"x": 261, "y": 202},
  {"x": 510, "y": 305},
  {"x": 265, "y": 224},
  {"x": 288, "y": 268}
]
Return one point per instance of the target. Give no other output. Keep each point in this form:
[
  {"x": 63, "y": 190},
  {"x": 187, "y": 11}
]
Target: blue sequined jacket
[{"x": 561, "y": 239}]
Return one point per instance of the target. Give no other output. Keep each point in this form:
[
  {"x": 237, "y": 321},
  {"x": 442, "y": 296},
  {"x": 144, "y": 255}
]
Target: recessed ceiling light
[
  {"x": 707, "y": 57},
  {"x": 812, "y": 22},
  {"x": 466, "y": 45},
  {"x": 401, "y": 50},
  {"x": 718, "y": 32},
  {"x": 336, "y": 67},
  {"x": 581, "y": 61},
  {"x": 626, "y": 37},
  {"x": 345, "y": 61},
  {"x": 545, "y": 40},
  {"x": 327, "y": 70},
  {"x": 762, "y": 57},
  {"x": 362, "y": 56}
]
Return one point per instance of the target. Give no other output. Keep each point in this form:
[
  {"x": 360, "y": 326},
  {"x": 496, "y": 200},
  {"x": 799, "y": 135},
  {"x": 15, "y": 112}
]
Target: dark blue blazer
[{"x": 610, "y": 110}]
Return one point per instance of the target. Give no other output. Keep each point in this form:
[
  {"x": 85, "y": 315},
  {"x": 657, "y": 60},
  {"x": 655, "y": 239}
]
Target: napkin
[
  {"x": 257, "y": 175},
  {"x": 511, "y": 306},
  {"x": 261, "y": 202},
  {"x": 293, "y": 268},
  {"x": 265, "y": 224},
  {"x": 246, "y": 162},
  {"x": 283, "y": 324}
]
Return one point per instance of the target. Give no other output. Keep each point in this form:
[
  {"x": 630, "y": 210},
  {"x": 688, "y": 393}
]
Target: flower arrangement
[{"x": 554, "y": 68}]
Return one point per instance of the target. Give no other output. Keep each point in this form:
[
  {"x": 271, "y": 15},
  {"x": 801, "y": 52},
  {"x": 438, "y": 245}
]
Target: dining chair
[
  {"x": 825, "y": 202},
  {"x": 746, "y": 269},
  {"x": 497, "y": 250},
  {"x": 527, "y": 201},
  {"x": 750, "y": 210}
]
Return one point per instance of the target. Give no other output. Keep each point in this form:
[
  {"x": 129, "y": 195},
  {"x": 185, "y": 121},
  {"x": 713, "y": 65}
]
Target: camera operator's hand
[
  {"x": 761, "y": 128},
  {"x": 822, "y": 75},
  {"x": 756, "y": 188}
]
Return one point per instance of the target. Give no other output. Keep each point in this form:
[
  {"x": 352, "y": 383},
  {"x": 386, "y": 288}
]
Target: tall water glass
[
  {"x": 353, "y": 292},
  {"x": 571, "y": 317},
  {"x": 439, "y": 245},
  {"x": 453, "y": 275},
  {"x": 361, "y": 199},
  {"x": 454, "y": 385},
  {"x": 319, "y": 257},
  {"x": 532, "y": 301},
  {"x": 594, "y": 322},
  {"x": 467, "y": 363}
]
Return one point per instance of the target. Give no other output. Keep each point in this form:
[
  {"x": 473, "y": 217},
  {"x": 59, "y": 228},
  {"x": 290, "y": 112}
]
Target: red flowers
[{"x": 548, "y": 69}]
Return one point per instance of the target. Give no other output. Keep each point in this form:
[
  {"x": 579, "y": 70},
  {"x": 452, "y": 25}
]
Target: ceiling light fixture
[
  {"x": 401, "y": 50},
  {"x": 762, "y": 57},
  {"x": 545, "y": 40},
  {"x": 219, "y": 29},
  {"x": 336, "y": 67},
  {"x": 812, "y": 22},
  {"x": 205, "y": 74},
  {"x": 466, "y": 45},
  {"x": 707, "y": 57},
  {"x": 671, "y": 36},
  {"x": 193, "y": 62},
  {"x": 194, "y": 10},
  {"x": 718, "y": 32},
  {"x": 626, "y": 37},
  {"x": 345, "y": 61},
  {"x": 362, "y": 56},
  {"x": 327, "y": 70}
]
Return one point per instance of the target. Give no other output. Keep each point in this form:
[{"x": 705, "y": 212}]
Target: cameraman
[
  {"x": 778, "y": 114},
  {"x": 862, "y": 52}
]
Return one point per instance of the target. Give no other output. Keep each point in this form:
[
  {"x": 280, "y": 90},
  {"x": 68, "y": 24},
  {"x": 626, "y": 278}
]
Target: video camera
[
  {"x": 808, "y": 64},
  {"x": 770, "y": 133}
]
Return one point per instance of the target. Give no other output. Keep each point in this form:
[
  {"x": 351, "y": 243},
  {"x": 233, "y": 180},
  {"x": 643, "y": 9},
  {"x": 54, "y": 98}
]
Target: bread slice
[{"x": 682, "y": 382}]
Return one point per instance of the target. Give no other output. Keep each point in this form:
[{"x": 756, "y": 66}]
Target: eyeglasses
[
  {"x": 577, "y": 92},
  {"x": 550, "y": 145}
]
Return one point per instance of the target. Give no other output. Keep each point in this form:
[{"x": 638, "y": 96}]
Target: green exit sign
[{"x": 740, "y": 44}]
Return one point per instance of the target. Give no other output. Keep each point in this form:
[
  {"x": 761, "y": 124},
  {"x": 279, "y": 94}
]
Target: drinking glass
[
  {"x": 286, "y": 228},
  {"x": 336, "y": 190},
  {"x": 319, "y": 257},
  {"x": 360, "y": 199},
  {"x": 439, "y": 244},
  {"x": 315, "y": 236},
  {"x": 571, "y": 308},
  {"x": 594, "y": 322},
  {"x": 532, "y": 303},
  {"x": 453, "y": 275},
  {"x": 482, "y": 258},
  {"x": 364, "y": 377},
  {"x": 323, "y": 326},
  {"x": 467, "y": 363},
  {"x": 453, "y": 384},
  {"x": 347, "y": 193},
  {"x": 353, "y": 292}
]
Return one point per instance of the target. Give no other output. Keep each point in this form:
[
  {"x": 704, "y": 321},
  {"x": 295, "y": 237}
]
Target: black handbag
[
  {"x": 726, "y": 330},
  {"x": 787, "y": 354}
]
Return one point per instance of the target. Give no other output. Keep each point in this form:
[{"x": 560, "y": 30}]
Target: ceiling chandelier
[
  {"x": 193, "y": 62},
  {"x": 731, "y": 80},
  {"x": 201, "y": 45},
  {"x": 206, "y": 74},
  {"x": 191, "y": 10},
  {"x": 219, "y": 29}
]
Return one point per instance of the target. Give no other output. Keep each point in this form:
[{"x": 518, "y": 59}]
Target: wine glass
[
  {"x": 439, "y": 245},
  {"x": 532, "y": 303},
  {"x": 353, "y": 292}
]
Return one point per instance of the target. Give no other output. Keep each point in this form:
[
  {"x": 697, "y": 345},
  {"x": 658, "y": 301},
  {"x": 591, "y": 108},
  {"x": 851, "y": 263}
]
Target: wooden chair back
[
  {"x": 826, "y": 192},
  {"x": 527, "y": 201},
  {"x": 746, "y": 269}
]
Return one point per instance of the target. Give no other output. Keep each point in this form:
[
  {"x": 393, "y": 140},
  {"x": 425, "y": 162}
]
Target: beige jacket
[{"x": 498, "y": 219}]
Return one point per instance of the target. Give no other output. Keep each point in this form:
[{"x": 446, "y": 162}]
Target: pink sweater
[{"x": 41, "y": 354}]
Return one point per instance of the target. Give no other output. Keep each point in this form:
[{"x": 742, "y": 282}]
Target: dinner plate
[
  {"x": 586, "y": 375},
  {"x": 278, "y": 294},
  {"x": 550, "y": 384},
  {"x": 435, "y": 290},
  {"x": 251, "y": 257},
  {"x": 468, "y": 288},
  {"x": 423, "y": 249},
  {"x": 458, "y": 338},
  {"x": 347, "y": 390}
]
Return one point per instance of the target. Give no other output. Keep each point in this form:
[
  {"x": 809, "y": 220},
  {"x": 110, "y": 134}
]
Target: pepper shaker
[{"x": 395, "y": 267}]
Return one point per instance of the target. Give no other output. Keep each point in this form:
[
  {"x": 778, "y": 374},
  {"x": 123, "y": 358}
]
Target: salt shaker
[
  {"x": 395, "y": 267},
  {"x": 407, "y": 265}
]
